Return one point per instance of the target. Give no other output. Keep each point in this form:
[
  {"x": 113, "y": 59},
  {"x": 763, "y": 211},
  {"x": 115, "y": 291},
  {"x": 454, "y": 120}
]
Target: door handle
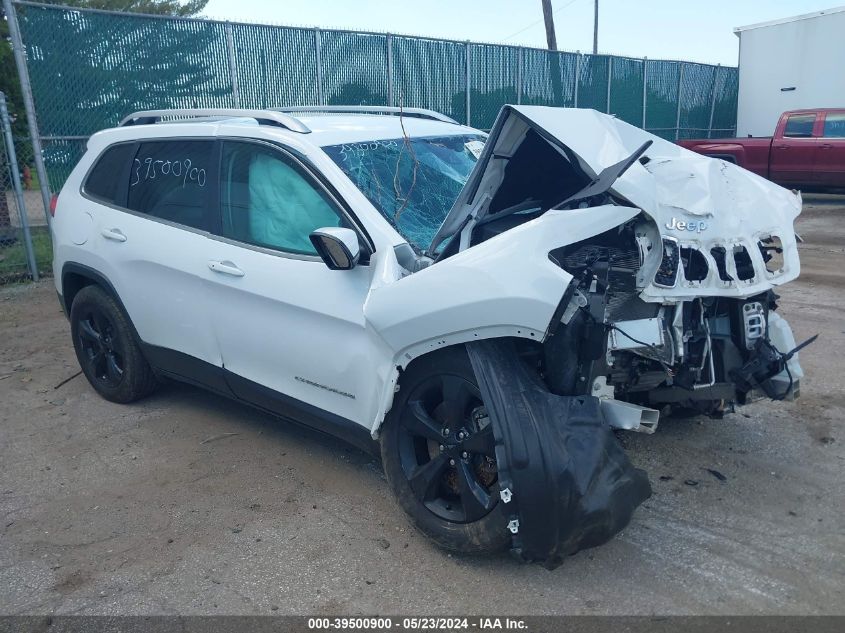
[
  {"x": 113, "y": 234},
  {"x": 226, "y": 268},
  {"x": 827, "y": 146}
]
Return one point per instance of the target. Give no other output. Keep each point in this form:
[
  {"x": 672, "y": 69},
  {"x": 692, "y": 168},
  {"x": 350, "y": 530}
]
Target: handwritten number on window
[{"x": 183, "y": 169}]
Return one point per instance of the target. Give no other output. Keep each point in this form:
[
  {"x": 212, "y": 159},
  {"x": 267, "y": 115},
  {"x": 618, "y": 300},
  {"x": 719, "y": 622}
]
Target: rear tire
[
  {"x": 106, "y": 348},
  {"x": 450, "y": 493}
]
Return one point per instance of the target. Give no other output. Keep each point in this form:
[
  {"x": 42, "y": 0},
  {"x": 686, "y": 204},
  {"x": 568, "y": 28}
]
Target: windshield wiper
[{"x": 604, "y": 181}]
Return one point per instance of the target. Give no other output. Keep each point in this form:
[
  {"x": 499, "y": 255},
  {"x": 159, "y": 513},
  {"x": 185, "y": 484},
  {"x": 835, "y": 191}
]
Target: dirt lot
[{"x": 150, "y": 508}]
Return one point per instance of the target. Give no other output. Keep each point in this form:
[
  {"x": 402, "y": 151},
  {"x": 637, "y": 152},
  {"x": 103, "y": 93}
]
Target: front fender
[{"x": 506, "y": 286}]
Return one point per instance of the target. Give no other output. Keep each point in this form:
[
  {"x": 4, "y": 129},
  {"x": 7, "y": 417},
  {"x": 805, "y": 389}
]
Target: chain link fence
[
  {"x": 89, "y": 68},
  {"x": 25, "y": 249}
]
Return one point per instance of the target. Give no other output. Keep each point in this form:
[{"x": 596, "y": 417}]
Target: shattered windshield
[{"x": 413, "y": 182}]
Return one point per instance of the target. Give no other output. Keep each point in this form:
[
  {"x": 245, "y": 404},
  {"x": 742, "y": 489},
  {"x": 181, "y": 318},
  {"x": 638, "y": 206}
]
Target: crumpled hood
[{"x": 692, "y": 198}]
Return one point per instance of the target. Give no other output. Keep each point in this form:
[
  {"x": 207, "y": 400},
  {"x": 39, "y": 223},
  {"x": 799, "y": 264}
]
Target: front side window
[
  {"x": 170, "y": 180},
  {"x": 269, "y": 201},
  {"x": 413, "y": 182},
  {"x": 834, "y": 125},
  {"x": 800, "y": 125},
  {"x": 106, "y": 177}
]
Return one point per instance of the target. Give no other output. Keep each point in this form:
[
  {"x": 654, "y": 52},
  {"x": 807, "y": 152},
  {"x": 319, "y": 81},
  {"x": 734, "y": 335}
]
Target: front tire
[
  {"x": 106, "y": 349},
  {"x": 438, "y": 454}
]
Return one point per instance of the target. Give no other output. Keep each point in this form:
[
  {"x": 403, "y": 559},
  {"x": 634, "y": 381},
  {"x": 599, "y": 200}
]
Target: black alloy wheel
[
  {"x": 447, "y": 449},
  {"x": 438, "y": 452},
  {"x": 107, "y": 348},
  {"x": 101, "y": 350}
]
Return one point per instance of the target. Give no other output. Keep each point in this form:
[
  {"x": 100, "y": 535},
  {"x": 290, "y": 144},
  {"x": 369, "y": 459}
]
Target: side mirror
[{"x": 337, "y": 246}]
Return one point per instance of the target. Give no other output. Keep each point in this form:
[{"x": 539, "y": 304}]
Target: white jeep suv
[{"x": 485, "y": 309}]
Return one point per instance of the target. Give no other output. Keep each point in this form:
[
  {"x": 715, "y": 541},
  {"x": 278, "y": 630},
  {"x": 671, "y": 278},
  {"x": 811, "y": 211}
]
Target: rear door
[
  {"x": 153, "y": 240},
  {"x": 793, "y": 156},
  {"x": 830, "y": 163}
]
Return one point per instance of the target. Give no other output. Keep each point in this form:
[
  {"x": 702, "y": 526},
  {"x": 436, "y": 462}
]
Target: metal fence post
[
  {"x": 678, "y": 113},
  {"x": 16, "y": 183},
  {"x": 389, "y": 44},
  {"x": 519, "y": 75},
  {"x": 318, "y": 48},
  {"x": 577, "y": 79},
  {"x": 609, "y": 81},
  {"x": 713, "y": 100},
  {"x": 29, "y": 105},
  {"x": 233, "y": 70},
  {"x": 645, "y": 90},
  {"x": 469, "y": 99}
]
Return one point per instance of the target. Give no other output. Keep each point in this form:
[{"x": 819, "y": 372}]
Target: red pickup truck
[{"x": 806, "y": 152}]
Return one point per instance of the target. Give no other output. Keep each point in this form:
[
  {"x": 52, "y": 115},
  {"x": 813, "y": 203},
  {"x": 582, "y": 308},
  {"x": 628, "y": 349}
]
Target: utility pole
[
  {"x": 554, "y": 58},
  {"x": 549, "y": 19},
  {"x": 596, "y": 28}
]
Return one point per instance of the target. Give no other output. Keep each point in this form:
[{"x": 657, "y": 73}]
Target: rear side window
[
  {"x": 800, "y": 125},
  {"x": 834, "y": 125},
  {"x": 104, "y": 180},
  {"x": 170, "y": 180}
]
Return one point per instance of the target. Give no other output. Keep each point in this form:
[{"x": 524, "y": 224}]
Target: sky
[{"x": 695, "y": 30}]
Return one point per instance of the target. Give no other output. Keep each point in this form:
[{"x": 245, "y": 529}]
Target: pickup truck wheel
[
  {"x": 437, "y": 448},
  {"x": 106, "y": 349}
]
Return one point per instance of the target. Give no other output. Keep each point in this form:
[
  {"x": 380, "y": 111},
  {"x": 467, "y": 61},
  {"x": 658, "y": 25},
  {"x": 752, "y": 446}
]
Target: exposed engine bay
[
  {"x": 672, "y": 310},
  {"x": 702, "y": 355}
]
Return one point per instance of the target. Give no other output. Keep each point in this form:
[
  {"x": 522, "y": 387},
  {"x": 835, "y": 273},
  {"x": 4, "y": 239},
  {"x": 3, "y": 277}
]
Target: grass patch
[{"x": 13, "y": 264}]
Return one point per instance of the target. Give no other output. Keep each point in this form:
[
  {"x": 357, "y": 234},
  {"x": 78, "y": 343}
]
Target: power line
[{"x": 555, "y": 12}]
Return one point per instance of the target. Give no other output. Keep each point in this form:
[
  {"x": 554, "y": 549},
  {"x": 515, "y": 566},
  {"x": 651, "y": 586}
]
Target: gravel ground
[{"x": 187, "y": 503}]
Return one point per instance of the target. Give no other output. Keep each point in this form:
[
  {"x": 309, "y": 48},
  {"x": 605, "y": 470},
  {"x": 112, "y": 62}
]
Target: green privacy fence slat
[
  {"x": 90, "y": 68},
  {"x": 725, "y": 102},
  {"x": 548, "y": 78},
  {"x": 430, "y": 74},
  {"x": 354, "y": 68},
  {"x": 626, "y": 90},
  {"x": 493, "y": 81},
  {"x": 592, "y": 82},
  {"x": 275, "y": 67},
  {"x": 662, "y": 97},
  {"x": 696, "y": 91}
]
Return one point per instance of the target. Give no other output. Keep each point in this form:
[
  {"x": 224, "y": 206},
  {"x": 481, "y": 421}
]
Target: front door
[
  {"x": 793, "y": 156},
  {"x": 291, "y": 331}
]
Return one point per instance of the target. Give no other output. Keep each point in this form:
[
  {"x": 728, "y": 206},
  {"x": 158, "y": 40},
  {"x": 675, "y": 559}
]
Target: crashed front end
[{"x": 673, "y": 308}]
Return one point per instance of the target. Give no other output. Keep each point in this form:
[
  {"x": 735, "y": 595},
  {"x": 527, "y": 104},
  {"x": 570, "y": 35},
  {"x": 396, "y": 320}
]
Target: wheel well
[
  {"x": 75, "y": 277},
  {"x": 72, "y": 283},
  {"x": 528, "y": 349}
]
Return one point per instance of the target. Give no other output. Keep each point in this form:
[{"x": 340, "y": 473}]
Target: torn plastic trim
[{"x": 570, "y": 483}]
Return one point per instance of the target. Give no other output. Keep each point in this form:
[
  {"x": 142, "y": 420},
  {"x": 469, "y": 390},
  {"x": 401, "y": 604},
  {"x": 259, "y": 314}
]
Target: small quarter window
[
  {"x": 104, "y": 180},
  {"x": 170, "y": 180},
  {"x": 800, "y": 125}
]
